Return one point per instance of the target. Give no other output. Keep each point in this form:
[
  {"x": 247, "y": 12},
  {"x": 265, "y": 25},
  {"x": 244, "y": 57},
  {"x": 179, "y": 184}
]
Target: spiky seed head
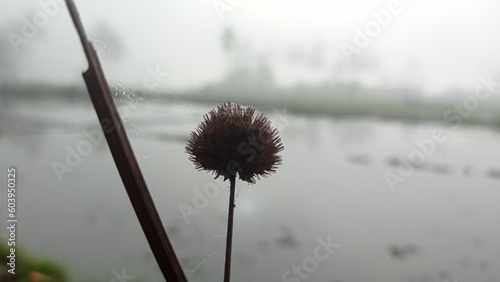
[{"x": 232, "y": 140}]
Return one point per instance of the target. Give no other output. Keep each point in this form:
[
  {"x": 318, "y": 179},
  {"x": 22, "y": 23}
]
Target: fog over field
[{"x": 388, "y": 111}]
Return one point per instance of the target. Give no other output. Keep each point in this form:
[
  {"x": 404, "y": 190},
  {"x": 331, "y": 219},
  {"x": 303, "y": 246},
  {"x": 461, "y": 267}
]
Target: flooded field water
[{"x": 438, "y": 222}]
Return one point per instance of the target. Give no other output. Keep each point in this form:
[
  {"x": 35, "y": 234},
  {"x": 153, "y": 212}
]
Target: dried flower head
[{"x": 233, "y": 139}]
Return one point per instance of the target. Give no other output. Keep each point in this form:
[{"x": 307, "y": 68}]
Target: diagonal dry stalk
[
  {"x": 125, "y": 160},
  {"x": 229, "y": 238}
]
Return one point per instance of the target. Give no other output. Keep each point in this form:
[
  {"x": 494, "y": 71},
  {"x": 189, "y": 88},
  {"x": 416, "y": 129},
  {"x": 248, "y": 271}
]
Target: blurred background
[{"x": 388, "y": 112}]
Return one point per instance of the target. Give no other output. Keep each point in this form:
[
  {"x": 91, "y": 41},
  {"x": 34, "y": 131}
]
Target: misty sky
[{"x": 429, "y": 45}]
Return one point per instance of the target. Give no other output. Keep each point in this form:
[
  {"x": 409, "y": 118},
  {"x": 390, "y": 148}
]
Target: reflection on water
[{"x": 440, "y": 223}]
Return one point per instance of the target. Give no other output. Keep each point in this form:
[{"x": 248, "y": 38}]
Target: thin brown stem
[{"x": 229, "y": 239}]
